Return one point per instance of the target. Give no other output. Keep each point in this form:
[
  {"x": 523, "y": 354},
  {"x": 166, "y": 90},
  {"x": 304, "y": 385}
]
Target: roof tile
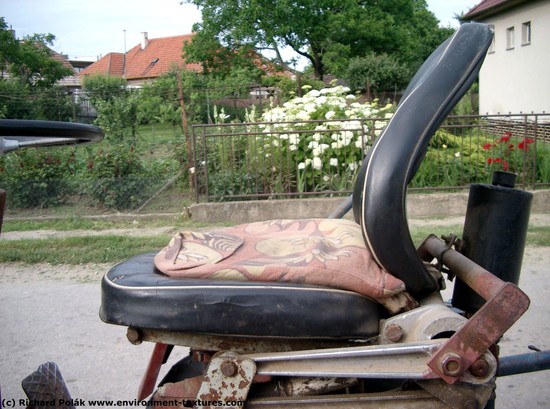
[{"x": 157, "y": 58}]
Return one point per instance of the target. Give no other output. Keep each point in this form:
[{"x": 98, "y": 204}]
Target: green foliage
[
  {"x": 117, "y": 107},
  {"x": 79, "y": 250},
  {"x": 117, "y": 177},
  {"x": 29, "y": 60},
  {"x": 19, "y": 101},
  {"x": 29, "y": 91},
  {"x": 326, "y": 32},
  {"x": 104, "y": 88},
  {"x": 377, "y": 72},
  {"x": 543, "y": 162},
  {"x": 37, "y": 178},
  {"x": 314, "y": 142},
  {"x": 119, "y": 118}
]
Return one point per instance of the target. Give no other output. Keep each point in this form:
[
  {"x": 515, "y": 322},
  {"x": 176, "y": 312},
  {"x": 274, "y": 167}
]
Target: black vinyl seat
[{"x": 136, "y": 294}]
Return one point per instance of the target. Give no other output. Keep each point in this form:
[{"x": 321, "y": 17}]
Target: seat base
[{"x": 136, "y": 294}]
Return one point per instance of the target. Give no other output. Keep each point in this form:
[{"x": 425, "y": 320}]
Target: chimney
[{"x": 144, "y": 40}]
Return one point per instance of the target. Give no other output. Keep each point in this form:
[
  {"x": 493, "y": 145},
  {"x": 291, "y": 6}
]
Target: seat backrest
[{"x": 380, "y": 190}]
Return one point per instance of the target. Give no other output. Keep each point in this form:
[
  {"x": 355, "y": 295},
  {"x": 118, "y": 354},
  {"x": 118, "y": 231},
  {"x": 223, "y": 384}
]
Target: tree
[
  {"x": 28, "y": 77},
  {"x": 376, "y": 72},
  {"x": 30, "y": 59},
  {"x": 326, "y": 32},
  {"x": 116, "y": 107},
  {"x": 8, "y": 46}
]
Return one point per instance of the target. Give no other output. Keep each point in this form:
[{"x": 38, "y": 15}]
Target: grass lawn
[{"x": 113, "y": 248}]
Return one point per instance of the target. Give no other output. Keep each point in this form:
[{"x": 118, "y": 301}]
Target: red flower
[
  {"x": 505, "y": 165},
  {"x": 498, "y": 160},
  {"x": 524, "y": 144},
  {"x": 489, "y": 161},
  {"x": 487, "y": 146},
  {"x": 90, "y": 165},
  {"x": 505, "y": 138}
]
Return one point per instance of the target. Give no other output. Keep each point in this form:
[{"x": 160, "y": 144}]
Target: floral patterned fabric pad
[{"x": 323, "y": 252}]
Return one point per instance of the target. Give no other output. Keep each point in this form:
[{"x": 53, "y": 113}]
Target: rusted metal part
[
  {"x": 228, "y": 378},
  {"x": 241, "y": 345},
  {"x": 152, "y": 372},
  {"x": 505, "y": 304},
  {"x": 476, "y": 277},
  {"x": 460, "y": 395},
  {"x": 174, "y": 395},
  {"x": 134, "y": 335},
  {"x": 398, "y": 361},
  {"x": 418, "y": 399}
]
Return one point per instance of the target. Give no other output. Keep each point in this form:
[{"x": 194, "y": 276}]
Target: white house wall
[{"x": 518, "y": 79}]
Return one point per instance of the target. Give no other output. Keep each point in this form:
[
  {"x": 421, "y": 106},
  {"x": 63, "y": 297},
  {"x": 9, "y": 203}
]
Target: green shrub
[
  {"x": 38, "y": 178},
  {"x": 117, "y": 177},
  {"x": 316, "y": 155}
]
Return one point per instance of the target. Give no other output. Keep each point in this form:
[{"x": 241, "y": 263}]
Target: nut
[
  {"x": 393, "y": 332},
  {"x": 480, "y": 368},
  {"x": 229, "y": 368},
  {"x": 451, "y": 364}
]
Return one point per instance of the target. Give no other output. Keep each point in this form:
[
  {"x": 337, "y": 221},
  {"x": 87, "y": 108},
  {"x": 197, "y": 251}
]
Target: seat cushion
[
  {"x": 324, "y": 252},
  {"x": 135, "y": 293}
]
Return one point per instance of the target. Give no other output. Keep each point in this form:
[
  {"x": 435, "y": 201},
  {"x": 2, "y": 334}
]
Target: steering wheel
[{"x": 17, "y": 133}]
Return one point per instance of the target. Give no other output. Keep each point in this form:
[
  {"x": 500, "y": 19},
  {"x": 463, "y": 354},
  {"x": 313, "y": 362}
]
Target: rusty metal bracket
[
  {"x": 505, "y": 304},
  {"x": 228, "y": 378}
]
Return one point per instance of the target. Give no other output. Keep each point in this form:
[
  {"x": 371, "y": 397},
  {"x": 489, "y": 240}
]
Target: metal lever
[{"x": 505, "y": 304}]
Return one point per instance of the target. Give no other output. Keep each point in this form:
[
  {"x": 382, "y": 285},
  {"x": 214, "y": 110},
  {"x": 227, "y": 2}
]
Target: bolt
[
  {"x": 393, "y": 332},
  {"x": 134, "y": 335},
  {"x": 228, "y": 368},
  {"x": 480, "y": 368},
  {"x": 451, "y": 364}
]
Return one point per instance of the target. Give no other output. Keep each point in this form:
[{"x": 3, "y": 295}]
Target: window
[
  {"x": 526, "y": 33},
  {"x": 510, "y": 38},
  {"x": 492, "y": 46}
]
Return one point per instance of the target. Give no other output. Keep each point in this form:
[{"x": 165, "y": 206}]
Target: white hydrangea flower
[
  {"x": 330, "y": 114},
  {"x": 317, "y": 163}
]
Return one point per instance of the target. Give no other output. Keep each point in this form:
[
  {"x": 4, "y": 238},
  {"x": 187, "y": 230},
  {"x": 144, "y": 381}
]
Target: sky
[{"x": 89, "y": 29}]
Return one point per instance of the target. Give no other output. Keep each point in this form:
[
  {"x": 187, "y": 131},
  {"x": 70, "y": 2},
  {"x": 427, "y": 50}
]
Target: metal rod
[
  {"x": 523, "y": 363},
  {"x": 341, "y": 210},
  {"x": 476, "y": 277}
]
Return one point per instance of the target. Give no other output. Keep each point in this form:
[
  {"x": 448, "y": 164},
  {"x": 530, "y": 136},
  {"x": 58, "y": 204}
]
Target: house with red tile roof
[
  {"x": 146, "y": 61},
  {"x": 514, "y": 77}
]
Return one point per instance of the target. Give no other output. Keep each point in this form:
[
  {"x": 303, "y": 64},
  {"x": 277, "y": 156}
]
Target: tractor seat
[
  {"x": 281, "y": 278},
  {"x": 309, "y": 278}
]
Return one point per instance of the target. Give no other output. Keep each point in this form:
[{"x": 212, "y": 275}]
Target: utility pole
[{"x": 185, "y": 125}]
